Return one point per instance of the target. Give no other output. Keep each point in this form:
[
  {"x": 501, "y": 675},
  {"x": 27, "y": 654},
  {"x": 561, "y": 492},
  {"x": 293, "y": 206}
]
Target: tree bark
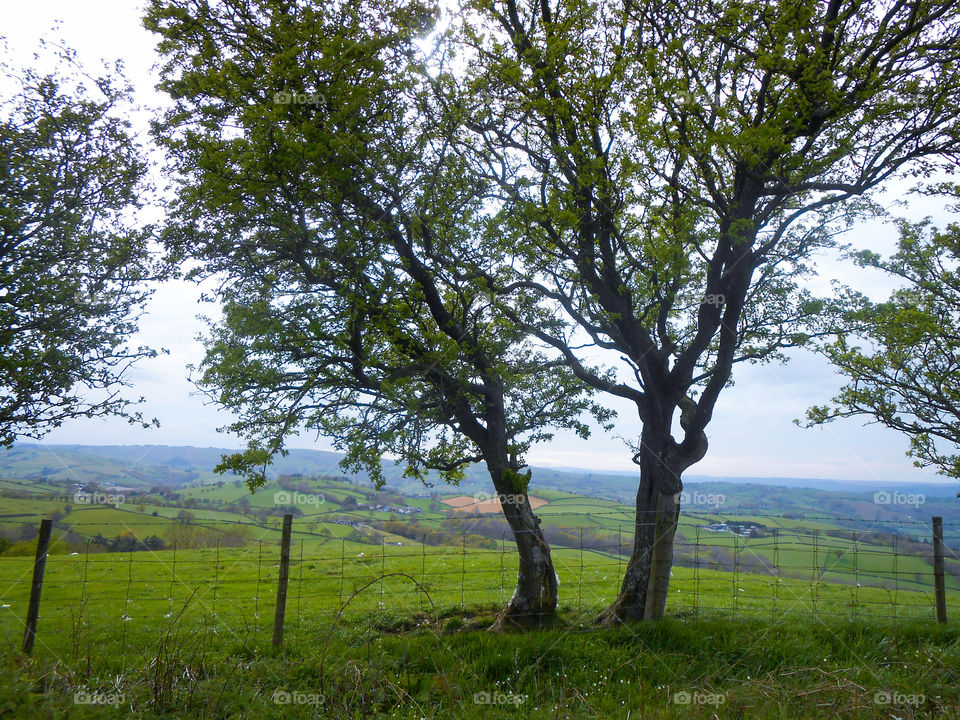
[
  {"x": 661, "y": 561},
  {"x": 643, "y": 592},
  {"x": 534, "y": 600}
]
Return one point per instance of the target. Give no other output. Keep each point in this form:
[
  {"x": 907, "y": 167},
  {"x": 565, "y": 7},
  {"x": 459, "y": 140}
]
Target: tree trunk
[
  {"x": 534, "y": 601},
  {"x": 643, "y": 592},
  {"x": 661, "y": 561}
]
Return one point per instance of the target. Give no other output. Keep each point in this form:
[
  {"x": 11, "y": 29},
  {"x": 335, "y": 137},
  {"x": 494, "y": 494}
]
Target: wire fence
[{"x": 373, "y": 574}]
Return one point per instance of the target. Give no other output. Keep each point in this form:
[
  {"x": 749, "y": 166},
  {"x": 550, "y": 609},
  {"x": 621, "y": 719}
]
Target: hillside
[
  {"x": 149, "y": 498},
  {"x": 147, "y": 466}
]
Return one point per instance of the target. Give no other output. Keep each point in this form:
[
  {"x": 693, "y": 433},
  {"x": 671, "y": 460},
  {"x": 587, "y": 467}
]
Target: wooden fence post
[
  {"x": 939, "y": 587},
  {"x": 282, "y": 581},
  {"x": 39, "y": 565}
]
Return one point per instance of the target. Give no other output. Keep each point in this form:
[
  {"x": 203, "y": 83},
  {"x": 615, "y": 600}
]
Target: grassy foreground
[
  {"x": 188, "y": 635},
  {"x": 413, "y": 665}
]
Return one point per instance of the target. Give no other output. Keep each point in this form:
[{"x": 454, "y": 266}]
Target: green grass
[
  {"x": 235, "y": 585},
  {"x": 188, "y": 633},
  {"x": 438, "y": 665},
  {"x": 801, "y": 552},
  {"x": 26, "y": 509}
]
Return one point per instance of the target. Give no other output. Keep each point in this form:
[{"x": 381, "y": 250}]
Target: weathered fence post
[
  {"x": 282, "y": 581},
  {"x": 463, "y": 565},
  {"x": 580, "y": 583},
  {"x": 939, "y": 588},
  {"x": 39, "y": 565}
]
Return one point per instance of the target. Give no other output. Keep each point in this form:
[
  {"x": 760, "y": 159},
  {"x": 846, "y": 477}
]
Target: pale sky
[{"x": 752, "y": 433}]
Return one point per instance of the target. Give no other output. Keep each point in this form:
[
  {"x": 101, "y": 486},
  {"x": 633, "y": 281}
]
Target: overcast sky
[{"x": 752, "y": 432}]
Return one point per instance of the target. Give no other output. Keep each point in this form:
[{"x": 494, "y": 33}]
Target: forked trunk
[{"x": 646, "y": 581}]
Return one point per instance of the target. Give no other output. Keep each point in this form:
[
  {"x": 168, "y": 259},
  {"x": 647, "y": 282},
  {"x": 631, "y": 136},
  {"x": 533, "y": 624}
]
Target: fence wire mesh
[{"x": 768, "y": 565}]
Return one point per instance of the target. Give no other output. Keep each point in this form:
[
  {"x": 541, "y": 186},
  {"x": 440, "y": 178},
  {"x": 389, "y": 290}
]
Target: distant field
[
  {"x": 808, "y": 551},
  {"x": 469, "y": 504}
]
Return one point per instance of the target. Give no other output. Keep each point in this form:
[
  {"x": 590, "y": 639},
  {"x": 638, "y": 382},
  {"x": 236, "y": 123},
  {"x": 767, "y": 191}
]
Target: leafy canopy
[
  {"x": 72, "y": 258},
  {"x": 314, "y": 175},
  {"x": 901, "y": 357}
]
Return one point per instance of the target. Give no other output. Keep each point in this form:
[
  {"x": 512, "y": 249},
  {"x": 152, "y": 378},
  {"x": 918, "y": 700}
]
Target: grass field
[
  {"x": 812, "y": 551},
  {"x": 811, "y": 621},
  {"x": 149, "y": 635}
]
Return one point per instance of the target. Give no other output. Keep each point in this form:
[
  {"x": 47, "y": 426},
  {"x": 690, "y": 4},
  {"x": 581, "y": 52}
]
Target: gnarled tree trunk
[
  {"x": 534, "y": 600},
  {"x": 664, "y": 529},
  {"x": 646, "y": 582}
]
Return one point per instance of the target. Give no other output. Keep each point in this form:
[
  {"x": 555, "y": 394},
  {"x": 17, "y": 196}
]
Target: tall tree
[
  {"x": 72, "y": 260},
  {"x": 908, "y": 376},
  {"x": 668, "y": 169},
  {"x": 315, "y": 177}
]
